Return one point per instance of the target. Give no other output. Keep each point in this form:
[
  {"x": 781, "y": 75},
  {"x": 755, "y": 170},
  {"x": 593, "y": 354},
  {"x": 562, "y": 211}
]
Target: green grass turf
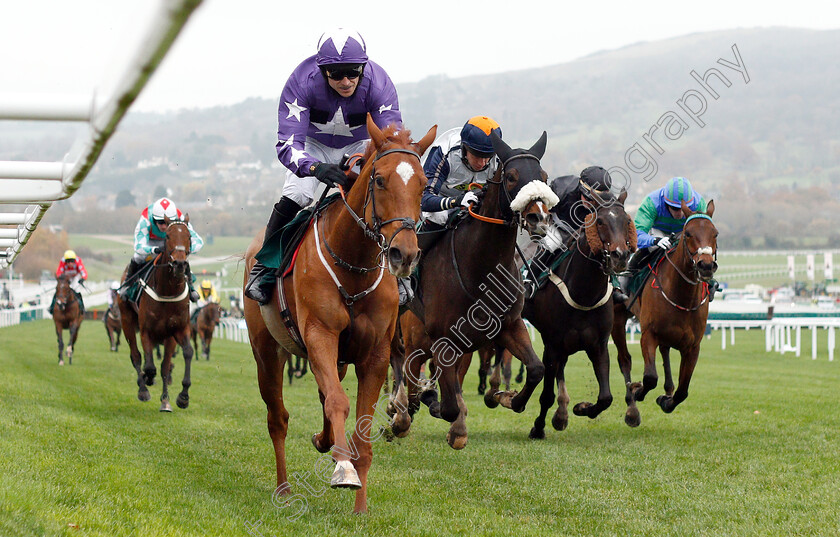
[{"x": 753, "y": 451}]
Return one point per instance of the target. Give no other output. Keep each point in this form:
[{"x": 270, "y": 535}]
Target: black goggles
[{"x": 338, "y": 73}]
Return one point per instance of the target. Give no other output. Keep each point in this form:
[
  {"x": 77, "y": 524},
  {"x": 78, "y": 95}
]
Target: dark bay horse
[
  {"x": 162, "y": 315},
  {"x": 342, "y": 302},
  {"x": 67, "y": 315},
  {"x": 472, "y": 294},
  {"x": 672, "y": 310},
  {"x": 574, "y": 310},
  {"x": 204, "y": 325},
  {"x": 113, "y": 325}
]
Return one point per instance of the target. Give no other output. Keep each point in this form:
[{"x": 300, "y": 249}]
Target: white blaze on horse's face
[{"x": 405, "y": 171}]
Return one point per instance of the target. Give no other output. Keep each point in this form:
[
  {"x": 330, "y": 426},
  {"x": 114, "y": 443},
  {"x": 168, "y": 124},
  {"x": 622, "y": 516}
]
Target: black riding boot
[
  {"x": 261, "y": 279},
  {"x": 133, "y": 267},
  {"x": 540, "y": 265},
  {"x": 193, "y": 293}
]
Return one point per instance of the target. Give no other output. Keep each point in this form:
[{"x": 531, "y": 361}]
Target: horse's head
[
  {"x": 63, "y": 292},
  {"x": 699, "y": 237},
  {"x": 395, "y": 185},
  {"x": 177, "y": 245},
  {"x": 524, "y": 196},
  {"x": 610, "y": 231}
]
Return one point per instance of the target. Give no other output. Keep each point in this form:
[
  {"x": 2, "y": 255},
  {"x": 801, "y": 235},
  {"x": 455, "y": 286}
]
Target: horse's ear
[
  {"x": 685, "y": 210},
  {"x": 427, "y": 140},
  {"x": 501, "y": 149},
  {"x": 622, "y": 196},
  {"x": 187, "y": 218},
  {"x": 710, "y": 208},
  {"x": 166, "y": 220},
  {"x": 538, "y": 149},
  {"x": 375, "y": 133}
]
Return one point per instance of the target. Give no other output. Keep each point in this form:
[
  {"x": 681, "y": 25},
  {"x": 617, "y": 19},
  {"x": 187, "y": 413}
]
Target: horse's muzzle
[
  {"x": 402, "y": 260},
  {"x": 536, "y": 223},
  {"x": 618, "y": 260},
  {"x": 706, "y": 270}
]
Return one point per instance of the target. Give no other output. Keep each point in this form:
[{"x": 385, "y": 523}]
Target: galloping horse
[
  {"x": 67, "y": 315},
  {"x": 162, "y": 315},
  {"x": 574, "y": 312},
  {"x": 672, "y": 312},
  {"x": 113, "y": 325},
  {"x": 342, "y": 304},
  {"x": 203, "y": 326},
  {"x": 472, "y": 294}
]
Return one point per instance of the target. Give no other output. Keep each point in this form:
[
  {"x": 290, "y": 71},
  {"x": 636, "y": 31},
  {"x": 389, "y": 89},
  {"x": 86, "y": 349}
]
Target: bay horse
[
  {"x": 472, "y": 295},
  {"x": 67, "y": 315},
  {"x": 342, "y": 303},
  {"x": 204, "y": 325},
  {"x": 574, "y": 311},
  {"x": 113, "y": 325},
  {"x": 162, "y": 315},
  {"x": 672, "y": 312}
]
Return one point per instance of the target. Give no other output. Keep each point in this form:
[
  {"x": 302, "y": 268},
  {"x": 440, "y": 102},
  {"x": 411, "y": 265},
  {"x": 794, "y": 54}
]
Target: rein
[{"x": 656, "y": 284}]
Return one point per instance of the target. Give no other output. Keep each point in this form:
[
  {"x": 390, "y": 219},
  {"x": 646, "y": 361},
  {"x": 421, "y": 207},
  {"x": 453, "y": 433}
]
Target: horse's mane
[{"x": 394, "y": 135}]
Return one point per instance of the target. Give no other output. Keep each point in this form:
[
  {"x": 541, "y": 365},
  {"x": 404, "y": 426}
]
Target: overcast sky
[{"x": 234, "y": 49}]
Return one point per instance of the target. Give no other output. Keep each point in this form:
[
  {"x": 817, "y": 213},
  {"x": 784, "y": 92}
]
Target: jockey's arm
[
  {"x": 141, "y": 238},
  {"x": 81, "y": 268},
  {"x": 214, "y": 297},
  {"x": 196, "y": 242},
  {"x": 645, "y": 218},
  {"x": 292, "y": 124},
  {"x": 437, "y": 171}
]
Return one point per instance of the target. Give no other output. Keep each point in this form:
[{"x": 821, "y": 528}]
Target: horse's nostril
[{"x": 395, "y": 256}]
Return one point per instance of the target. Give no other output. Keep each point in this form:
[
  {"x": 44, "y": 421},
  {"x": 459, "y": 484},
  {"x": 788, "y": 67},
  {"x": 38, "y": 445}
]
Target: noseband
[{"x": 515, "y": 219}]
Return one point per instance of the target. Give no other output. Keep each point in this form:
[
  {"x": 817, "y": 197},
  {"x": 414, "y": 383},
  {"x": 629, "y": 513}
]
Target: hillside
[{"x": 769, "y": 144}]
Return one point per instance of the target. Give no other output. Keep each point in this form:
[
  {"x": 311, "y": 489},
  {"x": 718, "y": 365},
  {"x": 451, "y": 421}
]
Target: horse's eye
[
  {"x": 687, "y": 235},
  {"x": 380, "y": 181}
]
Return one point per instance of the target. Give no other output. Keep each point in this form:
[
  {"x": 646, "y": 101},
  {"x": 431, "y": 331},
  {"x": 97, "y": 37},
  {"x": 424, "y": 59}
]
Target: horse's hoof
[
  {"x": 559, "y": 422},
  {"x": 60, "y": 362},
  {"x": 582, "y": 409},
  {"x": 150, "y": 381},
  {"x": 506, "y": 400},
  {"x": 165, "y": 406},
  {"x": 183, "y": 401},
  {"x": 428, "y": 397},
  {"x": 345, "y": 477},
  {"x": 318, "y": 446},
  {"x": 400, "y": 425},
  {"x": 536, "y": 434},
  {"x": 666, "y": 403},
  {"x": 632, "y": 417},
  {"x": 144, "y": 395},
  {"x": 456, "y": 441},
  {"x": 490, "y": 400}
]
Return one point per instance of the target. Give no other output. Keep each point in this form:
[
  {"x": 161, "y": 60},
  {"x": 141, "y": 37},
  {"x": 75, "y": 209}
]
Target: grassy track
[{"x": 80, "y": 455}]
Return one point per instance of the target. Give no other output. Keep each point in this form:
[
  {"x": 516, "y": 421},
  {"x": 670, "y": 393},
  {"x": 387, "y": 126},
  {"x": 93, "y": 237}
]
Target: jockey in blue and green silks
[
  {"x": 150, "y": 234},
  {"x": 659, "y": 216}
]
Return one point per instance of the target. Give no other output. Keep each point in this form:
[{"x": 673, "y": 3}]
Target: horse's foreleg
[
  {"x": 60, "y": 339},
  {"x": 547, "y": 396},
  {"x": 457, "y": 435},
  {"x": 506, "y": 369},
  {"x": 491, "y": 399},
  {"x": 149, "y": 368},
  {"x": 688, "y": 361},
  {"x": 323, "y": 350},
  {"x": 600, "y": 358},
  {"x": 648, "y": 344},
  {"x": 324, "y": 440},
  {"x": 518, "y": 341},
  {"x": 74, "y": 334},
  {"x": 484, "y": 356},
  {"x": 560, "y": 420},
  {"x": 370, "y": 412},
  {"x": 665, "y": 351},
  {"x": 206, "y": 344},
  {"x": 166, "y": 373},
  {"x": 183, "y": 400},
  {"x": 136, "y": 362},
  {"x": 625, "y": 363}
]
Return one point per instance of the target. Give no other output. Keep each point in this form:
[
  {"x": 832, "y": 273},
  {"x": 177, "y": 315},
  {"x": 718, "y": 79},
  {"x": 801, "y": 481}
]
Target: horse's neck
[
  {"x": 583, "y": 273},
  {"x": 164, "y": 281},
  {"x": 344, "y": 235},
  {"x": 673, "y": 283}
]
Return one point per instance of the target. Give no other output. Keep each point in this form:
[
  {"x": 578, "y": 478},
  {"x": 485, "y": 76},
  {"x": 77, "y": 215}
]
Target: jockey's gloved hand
[
  {"x": 469, "y": 198},
  {"x": 329, "y": 174},
  {"x": 664, "y": 243},
  {"x": 157, "y": 250}
]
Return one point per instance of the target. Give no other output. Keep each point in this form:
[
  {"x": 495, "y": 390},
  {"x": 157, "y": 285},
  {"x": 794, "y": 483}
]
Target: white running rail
[{"x": 28, "y": 189}]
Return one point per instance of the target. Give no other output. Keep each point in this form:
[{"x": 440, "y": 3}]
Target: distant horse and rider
[
  {"x": 67, "y": 315},
  {"x": 160, "y": 311},
  {"x": 202, "y": 325},
  {"x": 113, "y": 324}
]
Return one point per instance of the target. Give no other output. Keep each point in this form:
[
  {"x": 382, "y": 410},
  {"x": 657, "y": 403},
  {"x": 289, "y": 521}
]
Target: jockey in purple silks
[{"x": 322, "y": 115}]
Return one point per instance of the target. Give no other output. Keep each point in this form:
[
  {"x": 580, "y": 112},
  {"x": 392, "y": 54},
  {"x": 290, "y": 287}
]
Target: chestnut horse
[
  {"x": 343, "y": 309},
  {"x": 204, "y": 325},
  {"x": 67, "y": 315},
  {"x": 574, "y": 311},
  {"x": 162, "y": 315},
  {"x": 113, "y": 325},
  {"x": 672, "y": 312},
  {"x": 472, "y": 295}
]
